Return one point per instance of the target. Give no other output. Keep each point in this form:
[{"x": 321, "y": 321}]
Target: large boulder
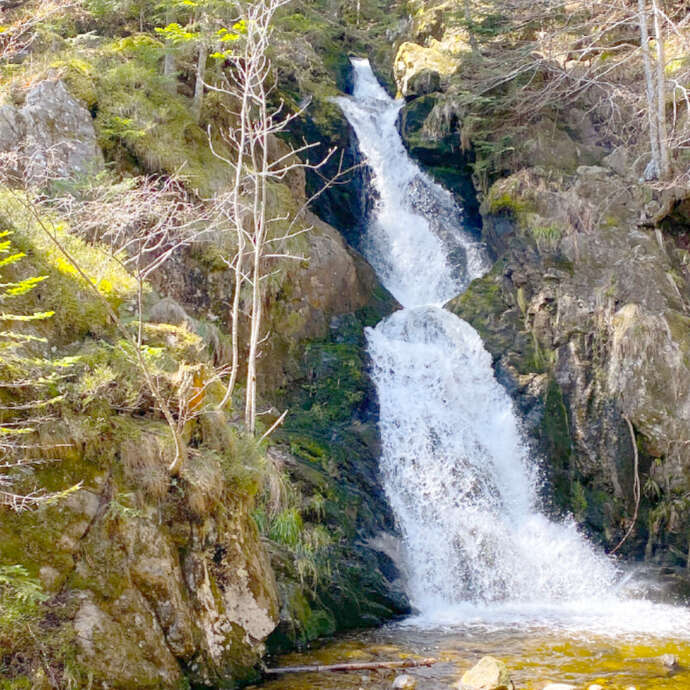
[{"x": 52, "y": 135}]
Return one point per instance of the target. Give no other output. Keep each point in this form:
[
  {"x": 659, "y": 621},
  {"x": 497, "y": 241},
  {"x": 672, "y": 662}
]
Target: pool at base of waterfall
[{"x": 534, "y": 657}]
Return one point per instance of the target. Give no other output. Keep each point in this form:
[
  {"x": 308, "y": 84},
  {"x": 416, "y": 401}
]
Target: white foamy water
[{"x": 455, "y": 466}]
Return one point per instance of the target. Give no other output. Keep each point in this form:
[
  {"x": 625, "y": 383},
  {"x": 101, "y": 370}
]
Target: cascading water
[{"x": 454, "y": 464}]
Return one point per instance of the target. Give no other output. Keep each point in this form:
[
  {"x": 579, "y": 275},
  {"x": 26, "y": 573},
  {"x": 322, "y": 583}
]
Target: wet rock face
[
  {"x": 586, "y": 314},
  {"x": 430, "y": 127},
  {"x": 52, "y": 133}
]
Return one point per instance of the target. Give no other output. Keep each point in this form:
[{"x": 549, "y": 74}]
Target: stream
[{"x": 486, "y": 570}]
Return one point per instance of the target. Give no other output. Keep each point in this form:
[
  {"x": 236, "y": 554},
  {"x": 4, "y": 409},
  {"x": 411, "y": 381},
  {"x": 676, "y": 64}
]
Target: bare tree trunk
[
  {"x": 470, "y": 26},
  {"x": 238, "y": 222},
  {"x": 169, "y": 66},
  {"x": 199, "y": 83},
  {"x": 350, "y": 666},
  {"x": 664, "y": 161},
  {"x": 260, "y": 163},
  {"x": 248, "y": 83},
  {"x": 652, "y": 170}
]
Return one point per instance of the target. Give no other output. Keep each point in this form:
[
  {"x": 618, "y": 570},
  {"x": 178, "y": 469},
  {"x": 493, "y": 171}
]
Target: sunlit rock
[{"x": 489, "y": 674}]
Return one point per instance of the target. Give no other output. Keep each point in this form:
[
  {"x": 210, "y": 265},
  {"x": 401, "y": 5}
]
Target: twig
[{"x": 274, "y": 426}]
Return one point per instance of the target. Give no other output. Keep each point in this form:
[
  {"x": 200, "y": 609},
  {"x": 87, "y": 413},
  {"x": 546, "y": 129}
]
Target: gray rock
[
  {"x": 87, "y": 40},
  {"x": 592, "y": 171},
  {"x": 404, "y": 682},
  {"x": 669, "y": 661},
  {"x": 423, "y": 82},
  {"x": 52, "y": 134},
  {"x": 169, "y": 311},
  {"x": 12, "y": 127},
  {"x": 618, "y": 161}
]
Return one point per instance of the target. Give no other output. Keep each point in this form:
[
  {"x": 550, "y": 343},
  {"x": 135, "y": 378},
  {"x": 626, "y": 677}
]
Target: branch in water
[{"x": 358, "y": 666}]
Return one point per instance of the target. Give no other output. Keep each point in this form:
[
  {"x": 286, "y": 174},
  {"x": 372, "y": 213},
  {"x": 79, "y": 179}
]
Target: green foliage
[
  {"x": 15, "y": 288},
  {"x": 224, "y": 36},
  {"x": 20, "y": 599},
  {"x": 177, "y": 34},
  {"x": 79, "y": 312},
  {"x": 286, "y": 527},
  {"x": 115, "y": 13},
  {"x": 546, "y": 234},
  {"x": 25, "y": 382},
  {"x": 120, "y": 509}
]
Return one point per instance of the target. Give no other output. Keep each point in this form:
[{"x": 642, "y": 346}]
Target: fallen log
[{"x": 356, "y": 666}]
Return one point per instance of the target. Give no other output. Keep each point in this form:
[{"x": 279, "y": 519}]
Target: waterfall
[{"x": 455, "y": 466}]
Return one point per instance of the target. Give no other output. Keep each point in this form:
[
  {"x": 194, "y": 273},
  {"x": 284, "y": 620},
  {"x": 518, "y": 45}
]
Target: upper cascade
[{"x": 414, "y": 265}]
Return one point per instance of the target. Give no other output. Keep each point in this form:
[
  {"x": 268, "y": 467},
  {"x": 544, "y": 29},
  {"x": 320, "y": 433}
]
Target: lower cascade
[{"x": 455, "y": 466}]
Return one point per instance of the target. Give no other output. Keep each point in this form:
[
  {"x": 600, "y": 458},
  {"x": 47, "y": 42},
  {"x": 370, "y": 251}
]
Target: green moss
[
  {"x": 79, "y": 76},
  {"x": 77, "y": 310},
  {"x": 308, "y": 623},
  {"x": 307, "y": 448},
  {"x": 21, "y": 683},
  {"x": 482, "y": 304},
  {"x": 578, "y": 500},
  {"x": 137, "y": 112},
  {"x": 556, "y": 425},
  {"x": 505, "y": 202},
  {"x": 556, "y": 432},
  {"x": 141, "y": 122},
  {"x": 540, "y": 358}
]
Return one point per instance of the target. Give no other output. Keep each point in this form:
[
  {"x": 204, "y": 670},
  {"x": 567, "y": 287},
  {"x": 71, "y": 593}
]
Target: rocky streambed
[{"x": 534, "y": 658}]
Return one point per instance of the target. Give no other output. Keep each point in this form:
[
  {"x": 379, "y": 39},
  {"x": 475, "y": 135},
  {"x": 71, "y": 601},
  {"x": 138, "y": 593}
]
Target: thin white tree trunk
[
  {"x": 470, "y": 26},
  {"x": 652, "y": 170},
  {"x": 260, "y": 166},
  {"x": 238, "y": 221},
  {"x": 169, "y": 66},
  {"x": 199, "y": 83},
  {"x": 664, "y": 161}
]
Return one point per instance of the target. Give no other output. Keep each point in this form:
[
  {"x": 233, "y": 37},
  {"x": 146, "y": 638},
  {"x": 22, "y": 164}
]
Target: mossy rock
[{"x": 422, "y": 70}]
